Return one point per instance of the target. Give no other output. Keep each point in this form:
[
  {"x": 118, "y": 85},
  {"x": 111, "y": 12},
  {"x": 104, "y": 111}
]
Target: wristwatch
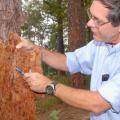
[{"x": 51, "y": 88}]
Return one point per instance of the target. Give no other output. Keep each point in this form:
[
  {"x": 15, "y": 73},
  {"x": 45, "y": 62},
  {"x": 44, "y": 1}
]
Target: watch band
[
  {"x": 54, "y": 83},
  {"x": 51, "y": 88}
]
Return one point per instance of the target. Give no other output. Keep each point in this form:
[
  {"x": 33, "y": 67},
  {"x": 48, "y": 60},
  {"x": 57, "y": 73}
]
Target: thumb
[
  {"x": 20, "y": 45},
  {"x": 27, "y": 75}
]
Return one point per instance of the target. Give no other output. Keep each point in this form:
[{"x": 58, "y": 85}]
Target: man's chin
[{"x": 97, "y": 38}]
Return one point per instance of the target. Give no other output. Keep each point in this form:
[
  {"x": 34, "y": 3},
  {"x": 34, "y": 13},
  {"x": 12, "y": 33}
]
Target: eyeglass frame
[{"x": 96, "y": 21}]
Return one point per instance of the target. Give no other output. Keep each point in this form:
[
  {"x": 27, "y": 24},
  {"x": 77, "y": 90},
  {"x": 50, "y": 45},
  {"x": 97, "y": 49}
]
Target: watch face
[{"x": 49, "y": 90}]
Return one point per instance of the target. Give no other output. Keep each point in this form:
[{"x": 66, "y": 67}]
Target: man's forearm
[
  {"x": 54, "y": 59},
  {"x": 84, "y": 99}
]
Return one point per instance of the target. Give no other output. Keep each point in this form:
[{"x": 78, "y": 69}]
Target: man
[{"x": 100, "y": 58}]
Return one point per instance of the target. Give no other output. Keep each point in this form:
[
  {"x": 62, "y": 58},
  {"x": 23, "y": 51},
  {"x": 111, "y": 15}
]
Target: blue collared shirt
[{"x": 97, "y": 59}]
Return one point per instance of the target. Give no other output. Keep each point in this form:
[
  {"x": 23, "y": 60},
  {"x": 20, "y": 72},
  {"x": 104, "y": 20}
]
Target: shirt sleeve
[
  {"x": 81, "y": 60},
  {"x": 110, "y": 91}
]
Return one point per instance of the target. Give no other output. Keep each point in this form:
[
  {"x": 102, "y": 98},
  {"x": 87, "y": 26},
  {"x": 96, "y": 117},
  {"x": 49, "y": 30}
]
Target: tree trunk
[
  {"x": 60, "y": 42},
  {"x": 11, "y": 17},
  {"x": 16, "y": 100},
  {"x": 76, "y": 33}
]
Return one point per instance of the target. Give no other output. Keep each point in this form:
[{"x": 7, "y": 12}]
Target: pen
[{"x": 20, "y": 71}]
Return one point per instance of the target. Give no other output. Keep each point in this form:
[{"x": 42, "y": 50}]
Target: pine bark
[
  {"x": 11, "y": 17},
  {"x": 16, "y": 99}
]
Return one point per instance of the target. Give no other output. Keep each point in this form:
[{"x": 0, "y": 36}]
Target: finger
[
  {"x": 27, "y": 75},
  {"x": 20, "y": 45}
]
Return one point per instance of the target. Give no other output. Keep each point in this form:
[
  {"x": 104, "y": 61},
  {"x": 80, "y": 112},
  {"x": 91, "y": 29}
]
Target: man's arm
[
  {"x": 54, "y": 59},
  {"x": 88, "y": 100},
  {"x": 84, "y": 99}
]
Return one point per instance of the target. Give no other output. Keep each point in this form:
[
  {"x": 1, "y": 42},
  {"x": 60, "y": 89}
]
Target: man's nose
[{"x": 90, "y": 23}]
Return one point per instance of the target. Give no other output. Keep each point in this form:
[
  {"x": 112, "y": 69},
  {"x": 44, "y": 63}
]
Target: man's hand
[
  {"x": 37, "y": 81},
  {"x": 25, "y": 44}
]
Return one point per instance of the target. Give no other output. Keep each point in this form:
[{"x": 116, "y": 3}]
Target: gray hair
[{"x": 114, "y": 14}]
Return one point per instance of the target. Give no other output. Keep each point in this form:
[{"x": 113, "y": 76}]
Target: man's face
[{"x": 100, "y": 26}]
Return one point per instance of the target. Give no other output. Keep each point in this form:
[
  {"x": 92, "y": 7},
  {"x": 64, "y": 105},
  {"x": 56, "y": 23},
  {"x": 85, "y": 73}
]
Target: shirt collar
[{"x": 112, "y": 49}]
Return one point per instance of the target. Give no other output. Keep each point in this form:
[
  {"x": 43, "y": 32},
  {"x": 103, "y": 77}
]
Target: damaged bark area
[{"x": 16, "y": 99}]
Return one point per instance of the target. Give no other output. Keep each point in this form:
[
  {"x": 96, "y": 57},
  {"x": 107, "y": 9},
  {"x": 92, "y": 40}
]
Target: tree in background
[
  {"x": 88, "y": 34},
  {"x": 34, "y": 27},
  {"x": 57, "y": 10}
]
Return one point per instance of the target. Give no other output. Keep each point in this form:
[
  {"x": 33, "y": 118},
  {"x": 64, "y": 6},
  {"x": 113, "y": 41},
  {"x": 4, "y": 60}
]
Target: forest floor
[{"x": 63, "y": 112}]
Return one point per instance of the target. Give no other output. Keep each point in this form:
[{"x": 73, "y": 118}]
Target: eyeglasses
[{"x": 97, "y": 22}]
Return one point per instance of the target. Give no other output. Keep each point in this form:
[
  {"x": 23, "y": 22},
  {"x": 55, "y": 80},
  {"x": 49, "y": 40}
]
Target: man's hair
[{"x": 114, "y": 14}]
